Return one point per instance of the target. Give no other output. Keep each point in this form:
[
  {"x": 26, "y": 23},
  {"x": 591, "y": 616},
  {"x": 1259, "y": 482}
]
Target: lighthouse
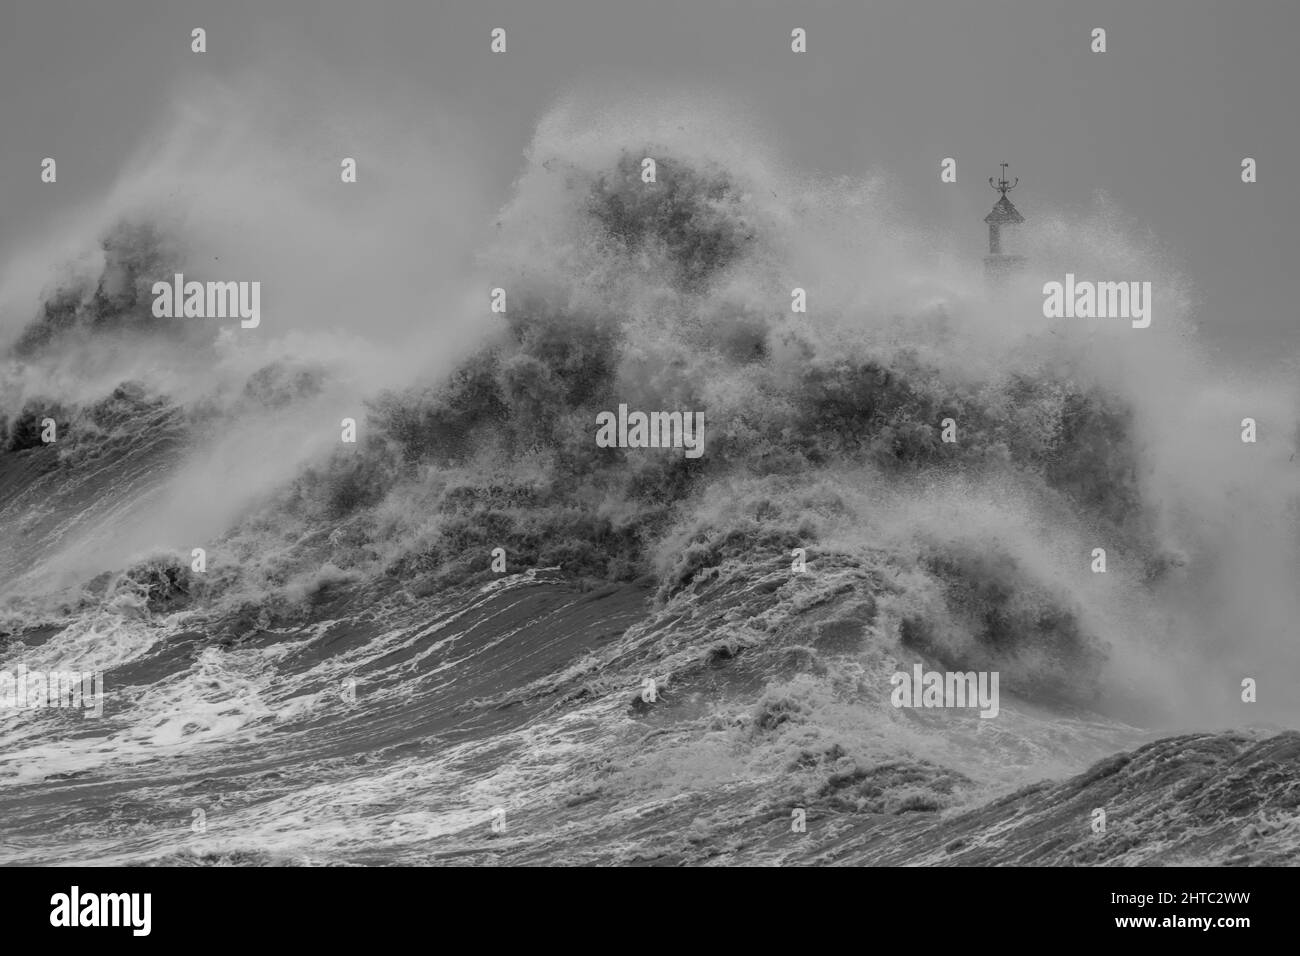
[{"x": 1000, "y": 264}]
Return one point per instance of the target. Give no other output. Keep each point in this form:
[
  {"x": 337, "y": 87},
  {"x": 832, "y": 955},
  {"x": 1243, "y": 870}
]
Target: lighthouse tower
[{"x": 1000, "y": 264}]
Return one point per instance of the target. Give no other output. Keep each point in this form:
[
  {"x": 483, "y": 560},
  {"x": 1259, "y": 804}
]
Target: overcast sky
[{"x": 1160, "y": 122}]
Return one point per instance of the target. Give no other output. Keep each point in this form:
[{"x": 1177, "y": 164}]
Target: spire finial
[{"x": 1002, "y": 185}]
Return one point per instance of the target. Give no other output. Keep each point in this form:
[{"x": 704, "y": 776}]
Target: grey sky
[{"x": 1160, "y": 122}]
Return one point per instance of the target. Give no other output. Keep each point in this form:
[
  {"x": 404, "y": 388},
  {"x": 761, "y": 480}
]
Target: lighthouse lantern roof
[{"x": 1004, "y": 211}]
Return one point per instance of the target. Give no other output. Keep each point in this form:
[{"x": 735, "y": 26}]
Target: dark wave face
[{"x": 482, "y": 633}]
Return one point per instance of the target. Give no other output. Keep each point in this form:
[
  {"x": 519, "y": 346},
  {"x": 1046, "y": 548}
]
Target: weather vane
[{"x": 1002, "y": 185}]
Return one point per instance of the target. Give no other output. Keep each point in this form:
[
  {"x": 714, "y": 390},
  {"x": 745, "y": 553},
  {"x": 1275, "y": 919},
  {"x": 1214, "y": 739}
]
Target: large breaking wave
[{"x": 477, "y": 690}]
